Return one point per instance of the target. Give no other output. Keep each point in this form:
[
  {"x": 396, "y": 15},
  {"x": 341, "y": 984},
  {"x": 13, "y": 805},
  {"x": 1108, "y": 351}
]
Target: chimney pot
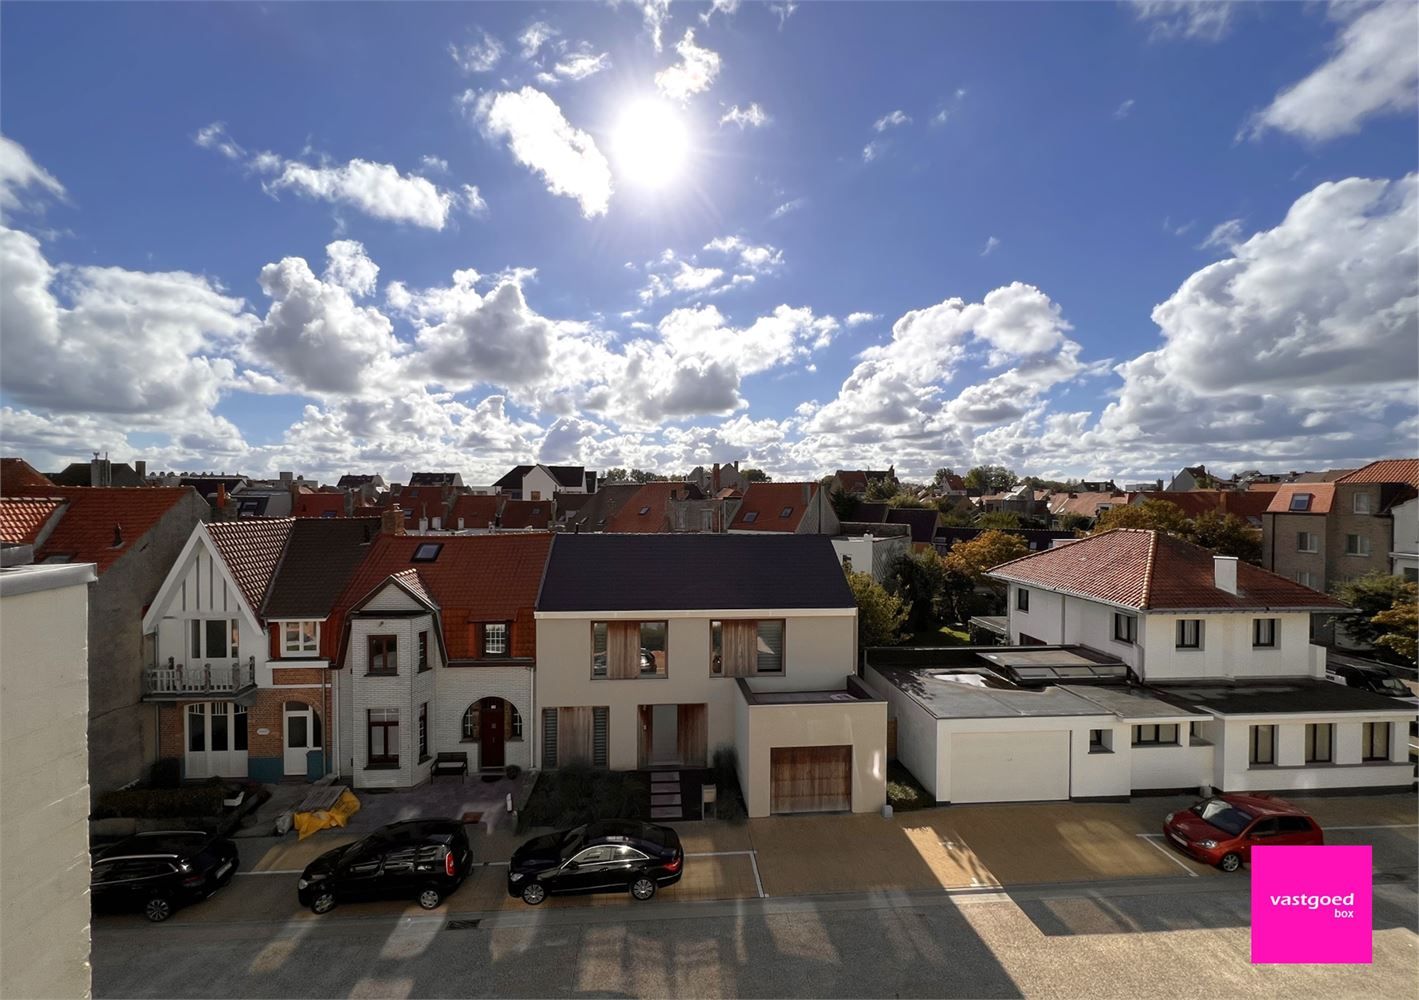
[
  {"x": 141, "y": 468},
  {"x": 1224, "y": 573}
]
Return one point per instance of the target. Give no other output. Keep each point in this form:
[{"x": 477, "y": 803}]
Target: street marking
[
  {"x": 276, "y": 871},
  {"x": 1166, "y": 851},
  {"x": 1378, "y": 826},
  {"x": 754, "y": 863}
]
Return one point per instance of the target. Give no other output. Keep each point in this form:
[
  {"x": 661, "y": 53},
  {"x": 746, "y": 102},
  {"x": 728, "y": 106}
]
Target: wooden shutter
[
  {"x": 574, "y": 734},
  {"x": 691, "y": 735},
  {"x": 623, "y": 647},
  {"x": 739, "y": 642}
]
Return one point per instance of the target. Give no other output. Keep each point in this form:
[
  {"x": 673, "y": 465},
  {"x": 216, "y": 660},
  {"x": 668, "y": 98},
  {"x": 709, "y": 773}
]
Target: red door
[{"x": 491, "y": 715}]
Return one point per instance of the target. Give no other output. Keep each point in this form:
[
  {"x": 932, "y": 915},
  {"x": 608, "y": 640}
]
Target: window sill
[
  {"x": 382, "y": 673},
  {"x": 1153, "y": 746},
  {"x": 637, "y": 677},
  {"x": 382, "y": 767},
  {"x": 1100, "y": 750}
]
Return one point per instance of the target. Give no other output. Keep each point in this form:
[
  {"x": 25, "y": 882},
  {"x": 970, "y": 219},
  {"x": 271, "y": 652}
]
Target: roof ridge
[{"x": 1148, "y": 569}]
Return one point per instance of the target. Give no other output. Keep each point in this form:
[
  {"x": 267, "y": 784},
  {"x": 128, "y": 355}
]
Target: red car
[{"x": 1222, "y": 830}]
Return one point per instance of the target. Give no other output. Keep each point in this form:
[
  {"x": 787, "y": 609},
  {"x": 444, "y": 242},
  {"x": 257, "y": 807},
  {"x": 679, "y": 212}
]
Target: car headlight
[
  {"x": 514, "y": 876},
  {"x": 1169, "y": 818},
  {"x": 1207, "y": 843},
  {"x": 309, "y": 880}
]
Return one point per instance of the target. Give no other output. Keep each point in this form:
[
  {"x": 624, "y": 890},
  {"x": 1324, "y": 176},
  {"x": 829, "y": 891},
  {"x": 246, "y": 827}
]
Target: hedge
[{"x": 162, "y": 803}]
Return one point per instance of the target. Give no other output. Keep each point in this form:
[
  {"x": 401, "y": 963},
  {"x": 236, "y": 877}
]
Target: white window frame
[
  {"x": 1130, "y": 632},
  {"x": 1253, "y": 745},
  {"x": 1368, "y": 741},
  {"x": 302, "y": 647},
  {"x": 1307, "y": 541},
  {"x": 1306, "y": 578},
  {"x": 1314, "y": 741},
  {"x": 1180, "y": 633},
  {"x": 233, "y": 644},
  {"x": 1360, "y": 504},
  {"x": 1256, "y": 633},
  {"x": 1362, "y": 545},
  {"x": 1022, "y": 599}
]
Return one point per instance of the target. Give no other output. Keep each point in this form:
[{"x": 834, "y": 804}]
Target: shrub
[
  {"x": 512, "y": 771},
  {"x": 904, "y": 792},
  {"x": 165, "y": 773},
  {"x": 162, "y": 803},
  {"x": 579, "y": 793}
]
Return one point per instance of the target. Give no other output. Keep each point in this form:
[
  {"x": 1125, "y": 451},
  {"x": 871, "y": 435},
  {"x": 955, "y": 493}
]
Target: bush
[
  {"x": 163, "y": 803},
  {"x": 729, "y": 801},
  {"x": 165, "y": 773},
  {"x": 579, "y": 793},
  {"x": 904, "y": 792}
]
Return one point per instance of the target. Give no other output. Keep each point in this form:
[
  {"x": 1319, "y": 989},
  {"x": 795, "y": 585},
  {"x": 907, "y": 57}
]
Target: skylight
[
  {"x": 751, "y": 517},
  {"x": 645, "y": 510},
  {"x": 427, "y": 552},
  {"x": 786, "y": 512},
  {"x": 1301, "y": 501}
]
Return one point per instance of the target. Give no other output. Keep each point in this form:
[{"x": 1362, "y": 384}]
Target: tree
[
  {"x": 991, "y": 479},
  {"x": 844, "y": 505},
  {"x": 1371, "y": 595},
  {"x": 1074, "y": 522},
  {"x": 942, "y": 475},
  {"x": 907, "y": 500},
  {"x": 1158, "y": 515},
  {"x": 880, "y": 615},
  {"x": 998, "y": 520},
  {"x": 882, "y": 489},
  {"x": 754, "y": 476},
  {"x": 956, "y": 512},
  {"x": 920, "y": 581},
  {"x": 1227, "y": 535},
  {"x": 1401, "y": 624},
  {"x": 968, "y": 562},
  {"x": 614, "y": 476}
]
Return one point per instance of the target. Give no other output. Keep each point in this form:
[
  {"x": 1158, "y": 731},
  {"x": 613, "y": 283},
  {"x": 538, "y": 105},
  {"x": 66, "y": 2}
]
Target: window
[
  {"x": 751, "y": 517},
  {"x": 1294, "y": 824},
  {"x": 565, "y": 735},
  {"x": 1189, "y": 633},
  {"x": 495, "y": 639},
  {"x": 1374, "y": 744},
  {"x": 1307, "y": 541},
  {"x": 1301, "y": 501},
  {"x": 1306, "y": 579},
  {"x": 595, "y": 855},
  {"x": 786, "y": 512},
  {"x": 1357, "y": 545},
  {"x": 1263, "y": 745},
  {"x": 706, "y": 520},
  {"x": 513, "y": 727},
  {"x": 644, "y": 510},
  {"x": 1022, "y": 599},
  {"x": 1125, "y": 628},
  {"x": 423, "y": 650},
  {"x": 1263, "y": 633},
  {"x": 627, "y": 650},
  {"x": 384, "y": 654},
  {"x": 1101, "y": 741},
  {"x": 1147, "y": 736},
  {"x": 1194, "y": 732},
  {"x": 1411, "y": 574},
  {"x": 423, "y": 732},
  {"x": 383, "y": 736},
  {"x": 1362, "y": 503},
  {"x": 1318, "y": 739},
  {"x": 300, "y": 638},
  {"x": 470, "y": 723},
  {"x": 426, "y": 552},
  {"x": 214, "y": 638},
  {"x": 743, "y": 648}
]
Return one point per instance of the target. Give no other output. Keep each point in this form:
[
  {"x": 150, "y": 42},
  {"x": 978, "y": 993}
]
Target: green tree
[
  {"x": 754, "y": 476},
  {"x": 1401, "y": 625},
  {"x": 991, "y": 479},
  {"x": 1225, "y": 534},
  {"x": 939, "y": 480},
  {"x": 880, "y": 615},
  {"x": 1158, "y": 515},
  {"x": 614, "y": 476},
  {"x": 968, "y": 562},
  {"x": 882, "y": 489},
  {"x": 1371, "y": 595},
  {"x": 998, "y": 520},
  {"x": 1074, "y": 522},
  {"x": 844, "y": 505},
  {"x": 907, "y": 500},
  {"x": 919, "y": 580}
]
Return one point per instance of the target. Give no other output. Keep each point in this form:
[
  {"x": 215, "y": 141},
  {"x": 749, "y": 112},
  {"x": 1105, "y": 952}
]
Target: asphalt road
[{"x": 1119, "y": 939}]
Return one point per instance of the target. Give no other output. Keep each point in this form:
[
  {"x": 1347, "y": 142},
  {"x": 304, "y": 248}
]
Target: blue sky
[{"x": 1103, "y": 239}]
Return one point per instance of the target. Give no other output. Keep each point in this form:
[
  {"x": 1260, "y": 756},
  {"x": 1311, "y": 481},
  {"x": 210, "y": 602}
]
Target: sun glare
[{"x": 650, "y": 144}]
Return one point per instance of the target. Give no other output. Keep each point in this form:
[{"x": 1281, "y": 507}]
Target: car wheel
[
  {"x": 1230, "y": 862},
  {"x": 323, "y": 903},
  {"x": 533, "y": 893},
  {"x": 157, "y": 909},
  {"x": 430, "y": 898},
  {"x": 643, "y": 887}
]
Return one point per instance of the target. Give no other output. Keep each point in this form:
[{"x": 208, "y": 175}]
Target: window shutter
[
  {"x": 624, "y": 642},
  {"x": 549, "y": 737},
  {"x": 739, "y": 648},
  {"x": 600, "y": 723}
]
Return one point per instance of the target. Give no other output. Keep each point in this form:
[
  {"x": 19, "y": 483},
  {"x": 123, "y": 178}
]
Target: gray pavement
[{"x": 1119, "y": 939}]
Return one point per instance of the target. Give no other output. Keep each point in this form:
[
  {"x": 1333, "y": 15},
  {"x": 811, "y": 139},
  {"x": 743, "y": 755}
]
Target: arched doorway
[
  {"x": 487, "y": 721},
  {"x": 301, "y": 725}
]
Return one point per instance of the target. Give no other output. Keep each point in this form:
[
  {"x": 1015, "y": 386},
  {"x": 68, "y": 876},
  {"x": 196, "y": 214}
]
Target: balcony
[{"x": 226, "y": 681}]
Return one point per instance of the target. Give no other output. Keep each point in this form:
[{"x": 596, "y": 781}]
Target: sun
[{"x": 650, "y": 144}]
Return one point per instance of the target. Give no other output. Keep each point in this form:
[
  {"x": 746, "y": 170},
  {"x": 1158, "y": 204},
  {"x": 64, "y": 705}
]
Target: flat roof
[
  {"x": 965, "y": 692},
  {"x": 1280, "y": 697},
  {"x": 1134, "y": 702},
  {"x": 853, "y": 690}
]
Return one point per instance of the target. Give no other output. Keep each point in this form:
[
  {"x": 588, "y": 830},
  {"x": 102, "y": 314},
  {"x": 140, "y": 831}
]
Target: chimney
[
  {"x": 285, "y": 477},
  {"x": 1224, "y": 572},
  {"x": 391, "y": 522},
  {"x": 460, "y": 524},
  {"x": 714, "y": 479},
  {"x": 96, "y": 471},
  {"x": 805, "y": 494},
  {"x": 141, "y": 468},
  {"x": 438, "y": 524},
  {"x": 221, "y": 496}
]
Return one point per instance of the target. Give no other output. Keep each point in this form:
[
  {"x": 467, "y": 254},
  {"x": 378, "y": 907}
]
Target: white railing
[{"x": 199, "y": 678}]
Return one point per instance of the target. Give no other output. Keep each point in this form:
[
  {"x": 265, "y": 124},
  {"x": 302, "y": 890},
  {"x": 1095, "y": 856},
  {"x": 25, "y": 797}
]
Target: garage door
[
  {"x": 1009, "y": 767},
  {"x": 810, "y": 779}
]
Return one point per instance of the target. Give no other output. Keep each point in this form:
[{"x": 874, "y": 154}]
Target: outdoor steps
[{"x": 665, "y": 800}]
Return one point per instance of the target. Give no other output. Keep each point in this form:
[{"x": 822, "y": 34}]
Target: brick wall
[{"x": 1344, "y": 521}]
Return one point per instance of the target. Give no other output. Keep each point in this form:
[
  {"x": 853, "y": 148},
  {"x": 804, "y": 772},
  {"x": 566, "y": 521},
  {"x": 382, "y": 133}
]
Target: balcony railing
[{"x": 178, "y": 680}]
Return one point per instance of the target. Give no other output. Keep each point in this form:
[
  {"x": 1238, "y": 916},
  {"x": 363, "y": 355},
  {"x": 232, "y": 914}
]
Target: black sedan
[
  {"x": 606, "y": 856},
  {"x": 422, "y": 859},
  {"x": 159, "y": 872}
]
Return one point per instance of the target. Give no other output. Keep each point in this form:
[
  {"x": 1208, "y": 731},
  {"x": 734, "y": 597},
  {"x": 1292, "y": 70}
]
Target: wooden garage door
[{"x": 810, "y": 779}]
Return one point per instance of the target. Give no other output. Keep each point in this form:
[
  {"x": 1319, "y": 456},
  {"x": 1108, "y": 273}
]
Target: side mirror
[{"x": 571, "y": 866}]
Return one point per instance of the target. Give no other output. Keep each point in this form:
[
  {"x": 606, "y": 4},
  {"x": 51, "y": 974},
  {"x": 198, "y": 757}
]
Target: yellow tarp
[{"x": 339, "y": 814}]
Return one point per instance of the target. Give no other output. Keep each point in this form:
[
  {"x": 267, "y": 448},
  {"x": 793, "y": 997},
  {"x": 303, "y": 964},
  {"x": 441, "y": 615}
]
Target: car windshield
[
  {"x": 1223, "y": 815},
  {"x": 1393, "y": 685},
  {"x": 571, "y": 839}
]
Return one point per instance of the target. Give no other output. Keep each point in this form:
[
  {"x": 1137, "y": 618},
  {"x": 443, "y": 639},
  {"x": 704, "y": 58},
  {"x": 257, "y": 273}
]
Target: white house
[
  {"x": 542, "y": 482},
  {"x": 1404, "y": 551}
]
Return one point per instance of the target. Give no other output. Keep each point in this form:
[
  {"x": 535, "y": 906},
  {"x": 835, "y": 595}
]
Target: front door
[
  {"x": 215, "y": 735},
  {"x": 665, "y": 735},
  {"x": 492, "y": 713},
  {"x": 302, "y": 728}
]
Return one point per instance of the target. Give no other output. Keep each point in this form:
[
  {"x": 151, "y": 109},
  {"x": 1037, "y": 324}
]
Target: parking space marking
[
  {"x": 1152, "y": 838},
  {"x": 1378, "y": 826},
  {"x": 276, "y": 871}
]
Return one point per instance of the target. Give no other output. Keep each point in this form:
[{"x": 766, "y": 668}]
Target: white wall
[
  {"x": 916, "y": 731},
  {"x": 1405, "y": 547},
  {"x": 1233, "y": 772},
  {"x": 542, "y": 483},
  {"x": 44, "y": 783},
  {"x": 459, "y": 687},
  {"x": 202, "y": 589},
  {"x": 1103, "y": 774}
]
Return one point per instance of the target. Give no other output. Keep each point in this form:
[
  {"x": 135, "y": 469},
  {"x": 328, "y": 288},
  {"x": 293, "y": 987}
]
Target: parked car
[
  {"x": 606, "y": 856},
  {"x": 422, "y": 859},
  {"x": 158, "y": 873},
  {"x": 1222, "y": 830},
  {"x": 1375, "y": 679}
]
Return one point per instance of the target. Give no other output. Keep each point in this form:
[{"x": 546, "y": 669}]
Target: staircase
[{"x": 665, "y": 802}]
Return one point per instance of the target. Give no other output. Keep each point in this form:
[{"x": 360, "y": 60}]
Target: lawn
[{"x": 946, "y": 635}]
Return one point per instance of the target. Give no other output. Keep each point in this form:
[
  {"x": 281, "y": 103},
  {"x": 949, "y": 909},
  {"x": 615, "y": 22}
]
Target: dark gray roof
[
  {"x": 81, "y": 474},
  {"x": 977, "y": 692},
  {"x": 688, "y": 572},
  {"x": 349, "y": 480},
  {"x": 320, "y": 557},
  {"x": 921, "y": 520},
  {"x": 570, "y": 476},
  {"x": 513, "y": 478},
  {"x": 597, "y": 511},
  {"x": 1279, "y": 697}
]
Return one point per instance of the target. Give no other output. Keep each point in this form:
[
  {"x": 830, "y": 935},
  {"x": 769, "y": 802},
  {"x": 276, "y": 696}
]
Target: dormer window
[
  {"x": 427, "y": 552},
  {"x": 786, "y": 512},
  {"x": 1301, "y": 501}
]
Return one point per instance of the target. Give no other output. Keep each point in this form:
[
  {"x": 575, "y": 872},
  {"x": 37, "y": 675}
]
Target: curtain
[
  {"x": 623, "y": 648},
  {"x": 739, "y": 642}
]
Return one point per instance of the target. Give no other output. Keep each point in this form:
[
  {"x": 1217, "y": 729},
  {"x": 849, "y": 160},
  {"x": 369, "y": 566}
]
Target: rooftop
[
  {"x": 777, "y": 507},
  {"x": 1285, "y": 500},
  {"x": 319, "y": 557},
  {"x": 251, "y": 550},
  {"x": 1281, "y": 697},
  {"x": 1389, "y": 470}
]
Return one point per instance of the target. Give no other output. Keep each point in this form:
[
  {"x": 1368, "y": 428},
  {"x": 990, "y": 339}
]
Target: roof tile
[
  {"x": 1389, "y": 470},
  {"x": 251, "y": 549},
  {"x": 767, "y": 502}
]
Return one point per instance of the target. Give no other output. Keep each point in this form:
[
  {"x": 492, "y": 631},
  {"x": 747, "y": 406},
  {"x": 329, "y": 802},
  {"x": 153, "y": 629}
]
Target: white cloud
[
  {"x": 783, "y": 10},
  {"x": 348, "y": 266},
  {"x": 1123, "y": 110},
  {"x": 725, "y": 7},
  {"x": 991, "y": 244},
  {"x": 1375, "y": 70},
  {"x": 1225, "y": 235},
  {"x": 859, "y": 318},
  {"x": 434, "y": 163},
  {"x": 693, "y": 74},
  {"x": 751, "y": 116},
  {"x": 478, "y": 57},
  {"x": 792, "y": 205},
  {"x": 540, "y": 137},
  {"x": 871, "y": 151},
  {"x": 654, "y": 13},
  {"x": 473, "y": 201},
  {"x": 20, "y": 173},
  {"x": 534, "y": 36},
  {"x": 214, "y": 136},
  {"x": 754, "y": 258},
  {"x": 495, "y": 339},
  {"x": 580, "y": 64},
  {"x": 376, "y": 189},
  {"x": 892, "y": 119},
  {"x": 1199, "y": 20}
]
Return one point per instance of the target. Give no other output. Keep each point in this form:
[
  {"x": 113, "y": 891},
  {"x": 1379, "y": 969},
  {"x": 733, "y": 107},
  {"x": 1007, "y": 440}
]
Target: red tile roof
[
  {"x": 19, "y": 478},
  {"x": 527, "y": 513},
  {"x": 767, "y": 501},
  {"x": 251, "y": 549},
  {"x": 476, "y": 511},
  {"x": 474, "y": 578},
  {"x": 23, "y": 518},
  {"x": 1153, "y": 571},
  {"x": 1239, "y": 503},
  {"x": 1389, "y": 470},
  {"x": 1085, "y": 504},
  {"x": 319, "y": 505},
  {"x": 422, "y": 501},
  {"x": 1322, "y": 496},
  {"x": 647, "y": 509},
  {"x": 85, "y": 531},
  {"x": 852, "y": 482}
]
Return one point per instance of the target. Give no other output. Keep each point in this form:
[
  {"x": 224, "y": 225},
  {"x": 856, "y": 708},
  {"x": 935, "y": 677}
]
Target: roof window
[
  {"x": 786, "y": 512},
  {"x": 1301, "y": 501},
  {"x": 426, "y": 552},
  {"x": 751, "y": 517},
  {"x": 645, "y": 510}
]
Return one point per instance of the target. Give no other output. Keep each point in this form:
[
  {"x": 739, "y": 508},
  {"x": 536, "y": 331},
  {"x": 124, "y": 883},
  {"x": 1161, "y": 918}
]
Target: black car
[
  {"x": 160, "y": 872},
  {"x": 422, "y": 859},
  {"x": 1373, "y": 679},
  {"x": 606, "y": 856}
]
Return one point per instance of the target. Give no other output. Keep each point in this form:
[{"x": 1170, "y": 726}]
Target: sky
[{"x": 1075, "y": 239}]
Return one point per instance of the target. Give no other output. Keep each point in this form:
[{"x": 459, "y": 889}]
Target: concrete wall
[
  {"x": 1187, "y": 765},
  {"x": 819, "y": 651},
  {"x": 859, "y": 724},
  {"x": 44, "y": 793},
  {"x": 916, "y": 731},
  {"x": 122, "y": 730},
  {"x": 1102, "y": 774},
  {"x": 542, "y": 483},
  {"x": 1233, "y": 773}
]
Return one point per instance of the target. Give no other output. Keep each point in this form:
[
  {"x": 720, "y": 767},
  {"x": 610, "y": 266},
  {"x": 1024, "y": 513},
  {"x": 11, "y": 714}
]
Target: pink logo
[{"x": 1311, "y": 905}]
